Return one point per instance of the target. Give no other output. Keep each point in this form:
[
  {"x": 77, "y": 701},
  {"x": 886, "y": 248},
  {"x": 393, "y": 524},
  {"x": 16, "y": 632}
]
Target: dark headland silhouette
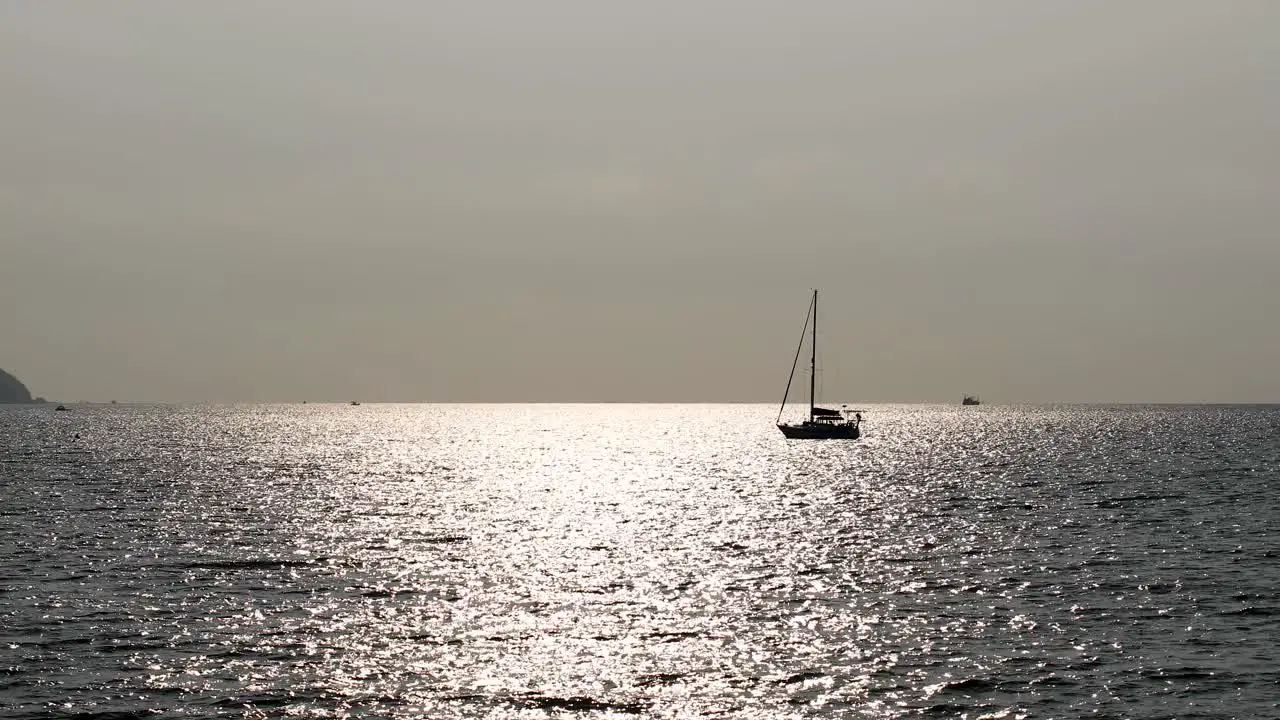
[{"x": 13, "y": 391}]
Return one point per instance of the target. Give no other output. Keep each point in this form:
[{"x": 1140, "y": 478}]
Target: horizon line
[{"x": 640, "y": 402}]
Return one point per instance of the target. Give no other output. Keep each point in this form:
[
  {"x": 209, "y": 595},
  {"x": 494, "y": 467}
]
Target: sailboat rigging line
[{"x": 796, "y": 362}]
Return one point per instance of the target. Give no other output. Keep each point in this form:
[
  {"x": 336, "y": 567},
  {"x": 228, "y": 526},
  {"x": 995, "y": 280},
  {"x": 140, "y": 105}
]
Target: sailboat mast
[
  {"x": 813, "y": 357},
  {"x": 795, "y": 361}
]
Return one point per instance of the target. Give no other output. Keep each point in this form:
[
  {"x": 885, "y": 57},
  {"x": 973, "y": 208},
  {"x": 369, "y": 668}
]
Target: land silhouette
[{"x": 13, "y": 391}]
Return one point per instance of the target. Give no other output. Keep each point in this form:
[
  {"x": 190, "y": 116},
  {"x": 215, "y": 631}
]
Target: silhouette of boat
[
  {"x": 823, "y": 423},
  {"x": 971, "y": 400},
  {"x": 61, "y": 408},
  {"x": 355, "y": 402}
]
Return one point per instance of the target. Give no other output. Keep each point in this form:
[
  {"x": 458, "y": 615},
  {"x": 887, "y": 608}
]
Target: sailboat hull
[{"x": 820, "y": 431}]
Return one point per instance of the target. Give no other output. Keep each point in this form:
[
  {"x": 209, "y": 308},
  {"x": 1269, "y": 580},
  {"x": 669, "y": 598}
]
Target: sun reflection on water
[{"x": 611, "y": 570}]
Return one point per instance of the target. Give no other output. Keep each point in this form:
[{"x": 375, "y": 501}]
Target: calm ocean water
[{"x": 664, "y": 561}]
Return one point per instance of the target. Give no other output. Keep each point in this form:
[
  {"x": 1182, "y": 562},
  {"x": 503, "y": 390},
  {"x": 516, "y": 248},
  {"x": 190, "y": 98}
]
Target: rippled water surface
[{"x": 662, "y": 561}]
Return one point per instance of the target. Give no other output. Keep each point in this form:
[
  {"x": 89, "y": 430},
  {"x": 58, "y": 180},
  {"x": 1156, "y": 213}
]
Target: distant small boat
[
  {"x": 823, "y": 423},
  {"x": 61, "y": 408},
  {"x": 355, "y": 402},
  {"x": 971, "y": 400}
]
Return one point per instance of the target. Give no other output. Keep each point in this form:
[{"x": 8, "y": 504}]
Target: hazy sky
[{"x": 1059, "y": 200}]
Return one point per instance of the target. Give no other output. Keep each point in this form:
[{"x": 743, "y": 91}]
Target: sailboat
[{"x": 823, "y": 423}]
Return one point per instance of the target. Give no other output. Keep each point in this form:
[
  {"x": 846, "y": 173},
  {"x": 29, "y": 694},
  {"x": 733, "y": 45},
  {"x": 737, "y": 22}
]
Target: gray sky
[{"x": 1060, "y": 200}]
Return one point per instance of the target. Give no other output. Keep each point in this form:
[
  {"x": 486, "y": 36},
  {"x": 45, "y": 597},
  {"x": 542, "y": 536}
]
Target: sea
[{"x": 638, "y": 561}]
